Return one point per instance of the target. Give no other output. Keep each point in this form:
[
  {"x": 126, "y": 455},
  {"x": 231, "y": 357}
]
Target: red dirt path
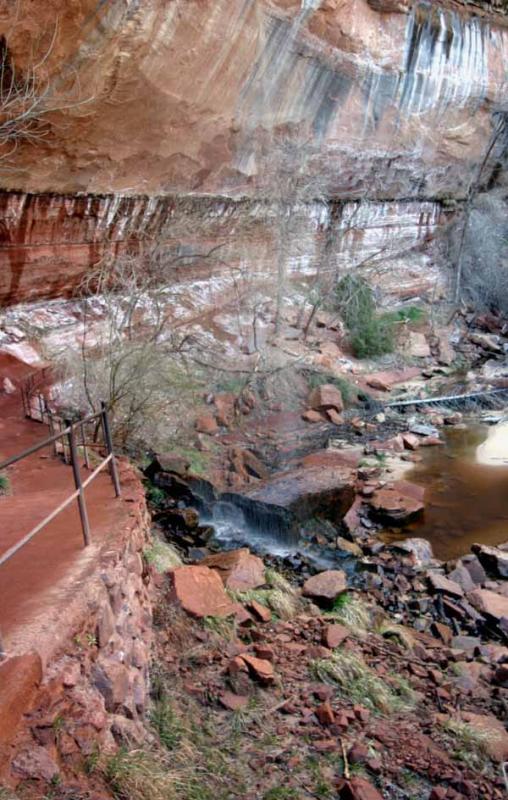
[{"x": 42, "y": 576}]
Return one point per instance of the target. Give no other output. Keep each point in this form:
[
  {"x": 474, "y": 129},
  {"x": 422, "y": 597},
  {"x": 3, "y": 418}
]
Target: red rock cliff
[{"x": 182, "y": 97}]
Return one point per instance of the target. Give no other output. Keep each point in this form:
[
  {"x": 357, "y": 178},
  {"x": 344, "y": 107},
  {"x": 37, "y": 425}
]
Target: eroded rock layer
[{"x": 50, "y": 241}]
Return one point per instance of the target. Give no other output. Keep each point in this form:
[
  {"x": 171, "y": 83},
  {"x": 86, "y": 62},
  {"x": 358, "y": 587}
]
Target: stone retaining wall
[{"x": 92, "y": 694}]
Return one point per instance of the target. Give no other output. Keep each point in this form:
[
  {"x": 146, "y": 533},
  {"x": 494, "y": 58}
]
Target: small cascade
[{"x": 237, "y": 522}]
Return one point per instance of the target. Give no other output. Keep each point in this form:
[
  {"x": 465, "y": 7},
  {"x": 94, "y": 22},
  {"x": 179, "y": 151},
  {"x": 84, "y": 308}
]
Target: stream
[{"x": 466, "y": 498}]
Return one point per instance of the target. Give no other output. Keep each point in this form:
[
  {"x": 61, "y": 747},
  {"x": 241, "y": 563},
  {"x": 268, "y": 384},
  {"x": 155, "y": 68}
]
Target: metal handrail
[
  {"x": 45, "y": 442},
  {"x": 69, "y": 433}
]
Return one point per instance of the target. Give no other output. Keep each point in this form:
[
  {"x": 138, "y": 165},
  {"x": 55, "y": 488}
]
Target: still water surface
[{"x": 466, "y": 499}]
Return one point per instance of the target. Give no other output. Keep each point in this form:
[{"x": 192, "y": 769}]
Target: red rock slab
[
  {"x": 490, "y": 603},
  {"x": 313, "y": 416},
  {"x": 359, "y": 789},
  {"x": 334, "y": 458},
  {"x": 200, "y": 592},
  {"x": 206, "y": 423},
  {"x": 384, "y": 381},
  {"x": 232, "y": 701},
  {"x": 20, "y": 677},
  {"x": 260, "y": 668},
  {"x": 260, "y": 611},
  {"x": 239, "y": 570},
  {"x": 325, "y": 714},
  {"x": 391, "y": 504},
  {"x": 327, "y": 585},
  {"x": 334, "y": 635},
  {"x": 325, "y": 397},
  {"x": 352, "y": 518}
]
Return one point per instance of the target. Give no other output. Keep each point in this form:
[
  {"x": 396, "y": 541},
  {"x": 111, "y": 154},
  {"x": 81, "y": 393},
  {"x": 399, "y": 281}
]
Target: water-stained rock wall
[
  {"x": 48, "y": 242},
  {"x": 385, "y": 101}
]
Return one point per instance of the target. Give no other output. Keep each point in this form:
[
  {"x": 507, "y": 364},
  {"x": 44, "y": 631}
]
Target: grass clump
[
  {"x": 351, "y": 611},
  {"x": 155, "y": 495},
  {"x": 280, "y": 793},
  {"x": 371, "y": 334},
  {"x": 162, "y": 556},
  {"x": 166, "y": 723},
  {"x": 139, "y": 775},
  {"x": 280, "y": 596},
  {"x": 222, "y": 627},
  {"x": 5, "y": 484},
  {"x": 357, "y": 682},
  {"x": 469, "y": 744}
]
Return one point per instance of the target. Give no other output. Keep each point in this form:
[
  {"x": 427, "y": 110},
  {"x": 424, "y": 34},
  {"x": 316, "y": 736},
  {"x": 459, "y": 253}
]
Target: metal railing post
[
  {"x": 109, "y": 444},
  {"x": 77, "y": 480},
  {"x": 83, "y": 444}
]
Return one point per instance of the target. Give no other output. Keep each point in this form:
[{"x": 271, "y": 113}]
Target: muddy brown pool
[{"x": 465, "y": 501}]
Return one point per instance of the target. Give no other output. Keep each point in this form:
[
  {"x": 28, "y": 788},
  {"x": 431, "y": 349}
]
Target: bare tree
[
  {"x": 129, "y": 356},
  {"x": 29, "y": 95}
]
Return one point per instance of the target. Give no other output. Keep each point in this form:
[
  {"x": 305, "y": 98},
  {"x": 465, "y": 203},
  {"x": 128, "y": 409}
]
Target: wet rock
[
  {"x": 326, "y": 586},
  {"x": 239, "y": 570},
  {"x": 206, "y": 423},
  {"x": 424, "y": 430},
  {"x": 287, "y": 498},
  {"x": 493, "y": 559},
  {"x": 439, "y": 583},
  {"x": 334, "y": 635},
  {"x": 392, "y": 505},
  {"x": 199, "y": 591},
  {"x": 35, "y": 763},
  {"x": 411, "y": 441},
  {"x": 420, "y": 549},
  {"x": 326, "y": 397},
  {"x": 345, "y": 546},
  {"x": 490, "y": 603}
]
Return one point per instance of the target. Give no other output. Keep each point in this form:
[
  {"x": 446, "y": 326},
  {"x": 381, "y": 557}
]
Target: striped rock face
[{"x": 192, "y": 114}]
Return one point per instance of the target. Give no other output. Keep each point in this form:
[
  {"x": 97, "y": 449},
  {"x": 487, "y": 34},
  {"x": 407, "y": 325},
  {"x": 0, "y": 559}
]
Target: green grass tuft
[
  {"x": 162, "y": 556},
  {"x": 352, "y": 612},
  {"x": 357, "y": 682},
  {"x": 5, "y": 484}
]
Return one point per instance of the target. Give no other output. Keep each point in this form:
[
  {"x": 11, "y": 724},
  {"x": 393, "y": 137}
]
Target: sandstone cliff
[{"x": 181, "y": 98}]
